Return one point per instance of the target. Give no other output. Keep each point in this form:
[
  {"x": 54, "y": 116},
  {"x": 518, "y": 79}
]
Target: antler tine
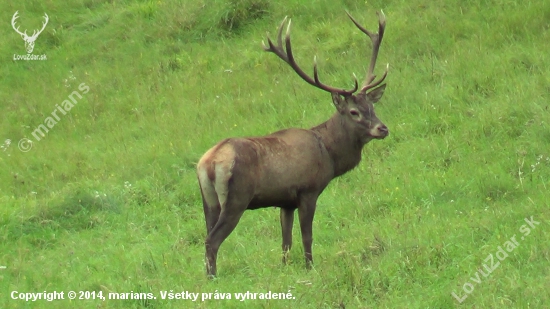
[
  {"x": 35, "y": 33},
  {"x": 288, "y": 57},
  {"x": 277, "y": 50},
  {"x": 280, "y": 31},
  {"x": 15, "y": 16},
  {"x": 45, "y": 23},
  {"x": 376, "y": 39}
]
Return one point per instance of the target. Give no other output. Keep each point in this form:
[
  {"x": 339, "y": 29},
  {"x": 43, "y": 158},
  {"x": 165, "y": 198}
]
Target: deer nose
[{"x": 383, "y": 130}]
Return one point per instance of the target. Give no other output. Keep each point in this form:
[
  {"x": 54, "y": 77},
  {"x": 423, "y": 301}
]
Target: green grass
[{"x": 108, "y": 199}]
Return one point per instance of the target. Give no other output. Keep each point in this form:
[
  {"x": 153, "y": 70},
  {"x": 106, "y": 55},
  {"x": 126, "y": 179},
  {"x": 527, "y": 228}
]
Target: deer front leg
[
  {"x": 306, "y": 210},
  {"x": 287, "y": 219}
]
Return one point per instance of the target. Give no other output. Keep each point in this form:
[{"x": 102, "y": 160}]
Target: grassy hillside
[{"x": 107, "y": 200}]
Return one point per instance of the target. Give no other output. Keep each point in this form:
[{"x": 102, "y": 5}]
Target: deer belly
[{"x": 281, "y": 197}]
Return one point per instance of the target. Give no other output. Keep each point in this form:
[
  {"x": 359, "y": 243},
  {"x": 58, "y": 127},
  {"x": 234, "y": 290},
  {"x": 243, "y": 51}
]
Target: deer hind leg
[
  {"x": 234, "y": 193},
  {"x": 211, "y": 214},
  {"x": 232, "y": 210},
  {"x": 225, "y": 225},
  {"x": 287, "y": 219},
  {"x": 210, "y": 202}
]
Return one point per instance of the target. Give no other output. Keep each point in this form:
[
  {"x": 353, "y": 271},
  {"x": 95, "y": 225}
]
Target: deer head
[
  {"x": 357, "y": 110},
  {"x": 29, "y": 40}
]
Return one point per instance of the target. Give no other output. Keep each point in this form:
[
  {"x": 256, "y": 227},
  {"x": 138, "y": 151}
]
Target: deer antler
[
  {"x": 43, "y": 26},
  {"x": 13, "y": 25},
  {"x": 288, "y": 57},
  {"x": 376, "y": 39},
  {"x": 24, "y": 34}
]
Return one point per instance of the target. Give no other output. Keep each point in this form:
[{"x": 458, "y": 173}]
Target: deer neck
[{"x": 341, "y": 143}]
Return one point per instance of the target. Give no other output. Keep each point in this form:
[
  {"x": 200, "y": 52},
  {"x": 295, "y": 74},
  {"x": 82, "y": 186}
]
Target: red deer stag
[{"x": 289, "y": 168}]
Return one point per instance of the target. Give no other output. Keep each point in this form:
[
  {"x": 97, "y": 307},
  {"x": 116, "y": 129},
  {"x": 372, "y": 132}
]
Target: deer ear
[
  {"x": 338, "y": 101},
  {"x": 375, "y": 95}
]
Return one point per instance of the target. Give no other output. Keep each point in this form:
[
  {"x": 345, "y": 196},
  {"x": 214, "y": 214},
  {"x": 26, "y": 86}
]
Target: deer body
[
  {"x": 288, "y": 169},
  {"x": 274, "y": 170}
]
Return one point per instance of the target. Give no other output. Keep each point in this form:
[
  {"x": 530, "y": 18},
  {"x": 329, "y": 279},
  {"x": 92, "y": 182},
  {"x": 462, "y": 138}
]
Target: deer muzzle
[{"x": 380, "y": 131}]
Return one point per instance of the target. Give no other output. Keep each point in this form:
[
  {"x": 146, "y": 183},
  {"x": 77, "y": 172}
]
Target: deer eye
[{"x": 354, "y": 113}]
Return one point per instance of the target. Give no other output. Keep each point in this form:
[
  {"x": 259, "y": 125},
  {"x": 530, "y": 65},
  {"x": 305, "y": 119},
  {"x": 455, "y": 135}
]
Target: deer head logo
[{"x": 29, "y": 40}]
